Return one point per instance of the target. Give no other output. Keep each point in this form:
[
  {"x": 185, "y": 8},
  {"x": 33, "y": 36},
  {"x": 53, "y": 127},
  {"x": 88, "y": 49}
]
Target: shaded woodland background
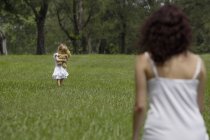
[{"x": 90, "y": 26}]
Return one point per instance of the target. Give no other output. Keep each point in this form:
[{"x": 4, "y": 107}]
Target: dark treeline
[{"x": 90, "y": 26}]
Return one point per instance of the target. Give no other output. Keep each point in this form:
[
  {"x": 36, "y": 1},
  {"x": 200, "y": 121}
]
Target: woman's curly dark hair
[{"x": 166, "y": 33}]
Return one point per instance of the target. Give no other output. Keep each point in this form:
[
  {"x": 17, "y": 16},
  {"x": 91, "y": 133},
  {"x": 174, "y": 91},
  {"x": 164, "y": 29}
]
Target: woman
[{"x": 172, "y": 78}]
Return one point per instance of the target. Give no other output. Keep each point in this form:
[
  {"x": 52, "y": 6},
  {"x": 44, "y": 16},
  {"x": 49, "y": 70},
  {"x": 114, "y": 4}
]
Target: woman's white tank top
[{"x": 173, "y": 109}]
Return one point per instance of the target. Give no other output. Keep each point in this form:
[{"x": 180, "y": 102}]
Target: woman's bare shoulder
[
  {"x": 141, "y": 60},
  {"x": 143, "y": 64},
  {"x": 193, "y": 55}
]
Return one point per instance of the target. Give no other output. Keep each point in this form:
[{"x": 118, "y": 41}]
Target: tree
[
  {"x": 19, "y": 9},
  {"x": 90, "y": 27},
  {"x": 128, "y": 15},
  {"x": 73, "y": 19},
  {"x": 198, "y": 13},
  {"x": 3, "y": 47},
  {"x": 40, "y": 17},
  {"x": 18, "y": 26}
]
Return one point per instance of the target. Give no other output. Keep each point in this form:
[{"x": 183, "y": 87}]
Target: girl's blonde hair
[{"x": 62, "y": 49}]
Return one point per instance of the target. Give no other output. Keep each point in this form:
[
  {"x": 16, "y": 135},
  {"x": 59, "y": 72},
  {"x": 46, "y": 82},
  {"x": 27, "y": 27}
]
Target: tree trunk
[
  {"x": 3, "y": 47},
  {"x": 4, "y": 44},
  {"x": 40, "y": 17},
  {"x": 75, "y": 46},
  {"x": 102, "y": 47},
  {"x": 80, "y": 14},
  {"x": 76, "y": 28},
  {"x": 40, "y": 37},
  {"x": 122, "y": 42},
  {"x": 122, "y": 38},
  {"x": 84, "y": 44},
  {"x": 89, "y": 45},
  {"x": 1, "y": 44},
  {"x": 40, "y": 21},
  {"x": 122, "y": 35}
]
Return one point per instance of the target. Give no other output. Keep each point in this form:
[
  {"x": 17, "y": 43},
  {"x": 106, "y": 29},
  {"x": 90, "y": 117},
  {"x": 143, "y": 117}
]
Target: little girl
[{"x": 60, "y": 73}]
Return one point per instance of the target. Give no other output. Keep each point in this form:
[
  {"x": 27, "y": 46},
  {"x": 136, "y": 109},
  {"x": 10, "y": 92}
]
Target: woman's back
[
  {"x": 174, "y": 111},
  {"x": 181, "y": 66}
]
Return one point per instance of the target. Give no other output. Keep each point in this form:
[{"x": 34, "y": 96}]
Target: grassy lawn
[{"x": 95, "y": 102}]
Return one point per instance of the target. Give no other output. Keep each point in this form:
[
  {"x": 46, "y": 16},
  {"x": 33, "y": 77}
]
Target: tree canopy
[{"x": 102, "y": 26}]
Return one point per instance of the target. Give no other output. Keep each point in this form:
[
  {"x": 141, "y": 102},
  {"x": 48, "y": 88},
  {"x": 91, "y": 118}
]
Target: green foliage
[
  {"x": 197, "y": 12},
  {"x": 112, "y": 49},
  {"x": 19, "y": 27},
  {"x": 108, "y": 21}
]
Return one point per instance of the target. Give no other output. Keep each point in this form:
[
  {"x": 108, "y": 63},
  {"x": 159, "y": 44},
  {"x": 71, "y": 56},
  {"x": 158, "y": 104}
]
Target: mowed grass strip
[{"x": 95, "y": 102}]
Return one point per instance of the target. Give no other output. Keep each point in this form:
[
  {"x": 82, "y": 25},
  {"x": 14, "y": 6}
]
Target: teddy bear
[{"x": 63, "y": 54}]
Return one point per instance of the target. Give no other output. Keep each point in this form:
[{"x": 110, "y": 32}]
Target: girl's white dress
[
  {"x": 59, "y": 71},
  {"x": 174, "y": 112}
]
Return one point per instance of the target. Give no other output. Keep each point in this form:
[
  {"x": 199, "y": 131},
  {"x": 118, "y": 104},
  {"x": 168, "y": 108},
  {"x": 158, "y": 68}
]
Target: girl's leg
[{"x": 59, "y": 82}]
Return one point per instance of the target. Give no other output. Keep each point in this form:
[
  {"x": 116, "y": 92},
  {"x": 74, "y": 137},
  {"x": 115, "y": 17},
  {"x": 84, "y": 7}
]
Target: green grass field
[{"x": 95, "y": 102}]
